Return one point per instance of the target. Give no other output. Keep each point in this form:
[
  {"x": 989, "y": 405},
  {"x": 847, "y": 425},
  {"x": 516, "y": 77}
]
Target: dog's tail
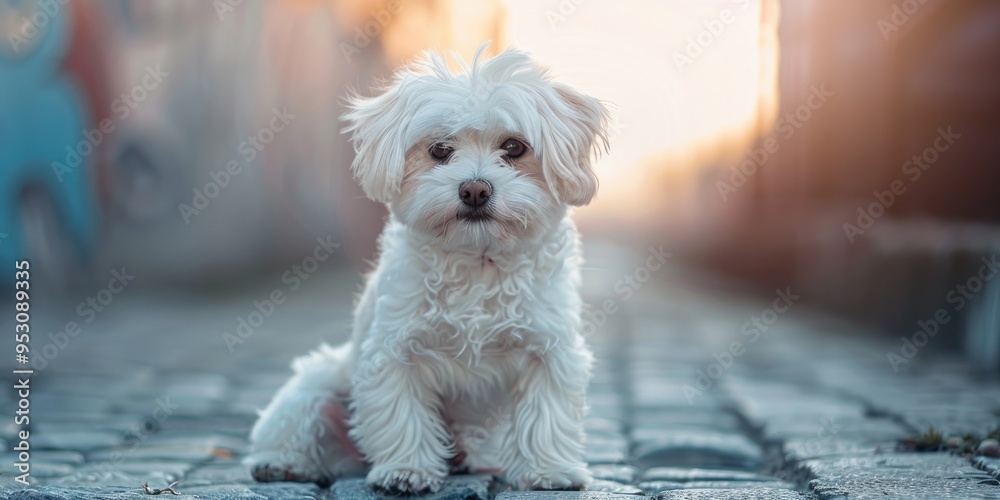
[
  {"x": 327, "y": 368},
  {"x": 303, "y": 432}
]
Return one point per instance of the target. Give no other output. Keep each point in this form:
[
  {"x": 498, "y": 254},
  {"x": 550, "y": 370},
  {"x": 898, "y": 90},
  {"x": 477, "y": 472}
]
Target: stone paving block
[
  {"x": 219, "y": 473},
  {"x": 67, "y": 416},
  {"x": 734, "y": 494},
  {"x": 988, "y": 464},
  {"x": 227, "y": 424},
  {"x": 800, "y": 449},
  {"x": 8, "y": 480},
  {"x": 82, "y": 441},
  {"x": 220, "y": 445},
  {"x": 605, "y": 456},
  {"x": 910, "y": 475},
  {"x": 96, "y": 477},
  {"x": 655, "y": 487},
  {"x": 73, "y": 493},
  {"x": 41, "y": 469},
  {"x": 689, "y": 417},
  {"x": 619, "y": 473},
  {"x": 684, "y": 474},
  {"x": 250, "y": 401},
  {"x": 688, "y": 448},
  {"x": 670, "y": 394},
  {"x": 8, "y": 430},
  {"x": 610, "y": 441},
  {"x": 148, "y": 451},
  {"x": 896, "y": 465},
  {"x": 642, "y": 361},
  {"x": 266, "y": 381},
  {"x": 608, "y": 412},
  {"x": 193, "y": 408},
  {"x": 118, "y": 423},
  {"x": 61, "y": 457},
  {"x": 45, "y": 403},
  {"x": 256, "y": 491},
  {"x": 604, "y": 426},
  {"x": 789, "y": 427},
  {"x": 8, "y": 483},
  {"x": 125, "y": 473},
  {"x": 613, "y": 399},
  {"x": 613, "y": 487},
  {"x": 203, "y": 382},
  {"x": 603, "y": 449},
  {"x": 604, "y": 379},
  {"x": 472, "y": 487},
  {"x": 195, "y": 391},
  {"x": 883, "y": 487},
  {"x": 562, "y": 495},
  {"x": 83, "y": 384},
  {"x": 7, "y": 397},
  {"x": 762, "y": 404}
]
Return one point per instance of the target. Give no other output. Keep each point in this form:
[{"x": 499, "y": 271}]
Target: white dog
[{"x": 466, "y": 347}]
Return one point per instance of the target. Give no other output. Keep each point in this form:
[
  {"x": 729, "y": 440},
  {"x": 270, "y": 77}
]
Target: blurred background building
[{"x": 845, "y": 149}]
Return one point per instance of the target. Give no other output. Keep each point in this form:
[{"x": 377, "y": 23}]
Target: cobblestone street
[{"x": 698, "y": 393}]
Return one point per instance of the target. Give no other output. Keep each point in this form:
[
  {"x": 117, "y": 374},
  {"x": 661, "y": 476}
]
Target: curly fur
[{"x": 466, "y": 347}]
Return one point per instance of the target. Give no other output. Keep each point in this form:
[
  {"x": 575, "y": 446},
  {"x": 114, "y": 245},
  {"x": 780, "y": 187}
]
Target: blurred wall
[
  {"x": 877, "y": 194},
  {"x": 194, "y": 141}
]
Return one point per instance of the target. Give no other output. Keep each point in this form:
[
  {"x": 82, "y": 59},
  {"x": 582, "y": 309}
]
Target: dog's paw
[
  {"x": 570, "y": 478},
  {"x": 406, "y": 481},
  {"x": 267, "y": 467}
]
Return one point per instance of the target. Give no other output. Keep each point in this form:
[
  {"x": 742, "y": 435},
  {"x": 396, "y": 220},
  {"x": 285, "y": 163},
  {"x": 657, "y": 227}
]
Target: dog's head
[{"x": 485, "y": 157}]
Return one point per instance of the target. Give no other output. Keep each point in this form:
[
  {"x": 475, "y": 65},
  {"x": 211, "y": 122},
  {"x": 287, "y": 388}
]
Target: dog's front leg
[
  {"x": 544, "y": 449},
  {"x": 396, "y": 423}
]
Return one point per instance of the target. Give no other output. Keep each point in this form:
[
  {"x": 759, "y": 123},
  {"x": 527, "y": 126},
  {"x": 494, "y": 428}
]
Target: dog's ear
[
  {"x": 377, "y": 127},
  {"x": 575, "y": 132}
]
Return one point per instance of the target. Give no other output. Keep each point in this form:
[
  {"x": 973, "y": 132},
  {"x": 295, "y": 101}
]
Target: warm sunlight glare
[{"x": 688, "y": 80}]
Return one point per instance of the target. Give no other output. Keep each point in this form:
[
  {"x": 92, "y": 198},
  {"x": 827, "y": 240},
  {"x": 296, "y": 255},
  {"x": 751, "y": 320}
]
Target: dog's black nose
[{"x": 475, "y": 193}]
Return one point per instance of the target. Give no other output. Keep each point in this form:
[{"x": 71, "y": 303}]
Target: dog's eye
[
  {"x": 440, "y": 151},
  {"x": 513, "y": 148}
]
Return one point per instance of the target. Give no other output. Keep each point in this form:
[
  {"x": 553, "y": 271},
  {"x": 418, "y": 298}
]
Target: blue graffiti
[{"x": 43, "y": 115}]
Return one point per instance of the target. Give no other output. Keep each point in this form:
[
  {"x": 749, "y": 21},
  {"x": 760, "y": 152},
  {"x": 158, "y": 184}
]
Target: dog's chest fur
[{"x": 481, "y": 311}]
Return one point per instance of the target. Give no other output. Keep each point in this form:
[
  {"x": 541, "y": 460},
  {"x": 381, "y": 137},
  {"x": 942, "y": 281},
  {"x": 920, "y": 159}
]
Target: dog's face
[{"x": 486, "y": 157}]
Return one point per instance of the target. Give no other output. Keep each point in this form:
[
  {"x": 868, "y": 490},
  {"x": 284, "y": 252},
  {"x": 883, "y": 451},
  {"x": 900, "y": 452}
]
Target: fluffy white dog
[{"x": 466, "y": 351}]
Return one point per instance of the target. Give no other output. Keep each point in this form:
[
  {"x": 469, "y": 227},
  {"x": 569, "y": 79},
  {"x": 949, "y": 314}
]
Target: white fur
[{"x": 467, "y": 336}]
